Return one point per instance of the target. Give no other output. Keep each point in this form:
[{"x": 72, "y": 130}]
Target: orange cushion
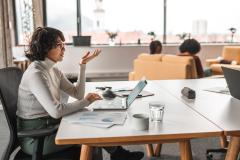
[
  {"x": 150, "y": 57},
  {"x": 231, "y": 53}
]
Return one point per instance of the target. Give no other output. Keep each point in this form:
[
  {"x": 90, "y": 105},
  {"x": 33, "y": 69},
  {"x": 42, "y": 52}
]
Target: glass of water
[{"x": 156, "y": 111}]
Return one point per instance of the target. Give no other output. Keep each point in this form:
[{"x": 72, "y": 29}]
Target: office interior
[{"x": 216, "y": 31}]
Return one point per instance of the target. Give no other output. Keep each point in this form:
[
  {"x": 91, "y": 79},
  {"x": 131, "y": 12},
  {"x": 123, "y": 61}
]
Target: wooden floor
[{"x": 169, "y": 151}]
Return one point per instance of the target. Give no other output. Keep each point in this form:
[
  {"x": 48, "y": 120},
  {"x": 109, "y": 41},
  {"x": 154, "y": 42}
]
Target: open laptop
[
  {"x": 119, "y": 103},
  {"x": 232, "y": 77}
]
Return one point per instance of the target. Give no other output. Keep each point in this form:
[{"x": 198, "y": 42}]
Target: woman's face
[{"x": 56, "y": 54}]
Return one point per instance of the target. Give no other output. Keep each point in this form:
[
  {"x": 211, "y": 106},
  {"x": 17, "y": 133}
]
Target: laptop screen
[
  {"x": 134, "y": 93},
  {"x": 232, "y": 77}
]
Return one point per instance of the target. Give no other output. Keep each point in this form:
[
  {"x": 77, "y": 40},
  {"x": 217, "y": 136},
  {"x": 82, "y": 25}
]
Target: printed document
[{"x": 98, "y": 119}]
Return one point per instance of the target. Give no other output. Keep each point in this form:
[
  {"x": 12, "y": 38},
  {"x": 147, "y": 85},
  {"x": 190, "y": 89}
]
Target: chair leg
[
  {"x": 38, "y": 149},
  {"x": 158, "y": 149}
]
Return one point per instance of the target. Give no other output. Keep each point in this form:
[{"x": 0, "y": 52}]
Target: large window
[
  {"x": 24, "y": 20},
  {"x": 137, "y": 21},
  {"x": 132, "y": 20},
  {"x": 61, "y": 14},
  {"x": 205, "y": 20}
]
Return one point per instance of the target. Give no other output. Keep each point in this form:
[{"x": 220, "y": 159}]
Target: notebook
[
  {"x": 119, "y": 103},
  {"x": 232, "y": 77}
]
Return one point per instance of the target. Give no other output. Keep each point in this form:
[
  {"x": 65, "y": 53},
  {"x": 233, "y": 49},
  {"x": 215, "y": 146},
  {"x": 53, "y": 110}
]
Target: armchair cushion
[
  {"x": 147, "y": 57},
  {"x": 230, "y": 57},
  {"x": 163, "y": 66},
  {"x": 231, "y": 53},
  {"x": 209, "y": 62},
  {"x": 217, "y": 68}
]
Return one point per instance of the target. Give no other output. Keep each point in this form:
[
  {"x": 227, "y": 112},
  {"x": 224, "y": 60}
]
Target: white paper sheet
[
  {"x": 222, "y": 90},
  {"x": 102, "y": 119}
]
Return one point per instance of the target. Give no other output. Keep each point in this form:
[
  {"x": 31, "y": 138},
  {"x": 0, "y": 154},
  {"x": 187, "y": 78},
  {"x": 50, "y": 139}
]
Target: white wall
[{"x": 117, "y": 58}]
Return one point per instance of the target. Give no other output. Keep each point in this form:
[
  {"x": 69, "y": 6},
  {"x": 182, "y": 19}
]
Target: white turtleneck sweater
[{"x": 39, "y": 91}]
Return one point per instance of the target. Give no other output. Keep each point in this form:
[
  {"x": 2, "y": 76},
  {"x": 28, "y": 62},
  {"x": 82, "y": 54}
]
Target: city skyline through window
[{"x": 207, "y": 21}]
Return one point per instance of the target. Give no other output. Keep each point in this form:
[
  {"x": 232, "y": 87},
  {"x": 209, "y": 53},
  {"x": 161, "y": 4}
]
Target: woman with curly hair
[{"x": 40, "y": 102}]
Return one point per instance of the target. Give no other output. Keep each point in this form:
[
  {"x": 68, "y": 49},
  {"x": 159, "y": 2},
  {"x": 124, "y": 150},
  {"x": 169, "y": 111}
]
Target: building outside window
[{"x": 207, "y": 21}]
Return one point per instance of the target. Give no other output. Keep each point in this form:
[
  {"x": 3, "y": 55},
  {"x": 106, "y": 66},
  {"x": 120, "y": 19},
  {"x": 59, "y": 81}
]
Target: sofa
[
  {"x": 230, "y": 54},
  {"x": 163, "y": 66}
]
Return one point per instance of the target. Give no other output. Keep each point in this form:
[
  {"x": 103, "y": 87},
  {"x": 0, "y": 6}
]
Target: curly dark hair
[
  {"x": 191, "y": 46},
  {"x": 153, "y": 46},
  {"x": 42, "y": 40}
]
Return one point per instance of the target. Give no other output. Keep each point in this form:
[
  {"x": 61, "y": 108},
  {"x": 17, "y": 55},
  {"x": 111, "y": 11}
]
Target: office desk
[
  {"x": 180, "y": 124},
  {"x": 221, "y": 109}
]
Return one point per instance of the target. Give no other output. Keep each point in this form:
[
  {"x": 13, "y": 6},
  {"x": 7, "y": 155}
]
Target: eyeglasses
[{"x": 61, "y": 45}]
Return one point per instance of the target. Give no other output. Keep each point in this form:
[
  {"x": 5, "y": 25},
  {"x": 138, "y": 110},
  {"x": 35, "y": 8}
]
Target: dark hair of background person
[
  {"x": 191, "y": 46},
  {"x": 154, "y": 45},
  {"x": 42, "y": 40}
]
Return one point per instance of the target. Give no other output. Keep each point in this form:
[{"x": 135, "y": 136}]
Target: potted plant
[
  {"x": 112, "y": 36},
  {"x": 183, "y": 36},
  {"x": 151, "y": 33},
  {"x": 233, "y": 31}
]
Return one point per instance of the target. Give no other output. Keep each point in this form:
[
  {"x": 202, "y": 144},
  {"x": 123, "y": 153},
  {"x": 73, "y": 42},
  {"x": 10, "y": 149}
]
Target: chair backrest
[
  {"x": 10, "y": 79},
  {"x": 231, "y": 53}
]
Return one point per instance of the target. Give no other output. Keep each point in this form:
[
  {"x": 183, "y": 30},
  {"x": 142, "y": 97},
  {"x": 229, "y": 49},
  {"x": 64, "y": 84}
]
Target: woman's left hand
[{"x": 88, "y": 56}]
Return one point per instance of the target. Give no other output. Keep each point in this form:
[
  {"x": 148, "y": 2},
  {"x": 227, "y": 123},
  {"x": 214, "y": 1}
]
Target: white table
[
  {"x": 221, "y": 109},
  {"x": 180, "y": 124}
]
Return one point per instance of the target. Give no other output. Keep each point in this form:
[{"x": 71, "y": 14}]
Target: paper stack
[{"x": 98, "y": 119}]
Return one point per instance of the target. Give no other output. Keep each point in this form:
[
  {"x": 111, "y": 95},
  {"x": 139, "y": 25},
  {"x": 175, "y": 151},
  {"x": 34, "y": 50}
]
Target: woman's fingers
[
  {"x": 86, "y": 58},
  {"x": 96, "y": 96},
  {"x": 86, "y": 55},
  {"x": 97, "y": 52},
  {"x": 91, "y": 97}
]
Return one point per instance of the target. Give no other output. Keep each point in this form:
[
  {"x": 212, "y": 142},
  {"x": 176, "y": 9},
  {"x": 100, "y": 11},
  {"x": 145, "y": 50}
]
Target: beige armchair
[
  {"x": 163, "y": 66},
  {"x": 229, "y": 53}
]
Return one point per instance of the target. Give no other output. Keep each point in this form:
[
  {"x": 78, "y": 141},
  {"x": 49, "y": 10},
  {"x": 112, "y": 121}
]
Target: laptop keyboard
[{"x": 104, "y": 104}]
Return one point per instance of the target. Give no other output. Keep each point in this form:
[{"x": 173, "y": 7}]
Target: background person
[
  {"x": 155, "y": 47},
  {"x": 191, "y": 47}
]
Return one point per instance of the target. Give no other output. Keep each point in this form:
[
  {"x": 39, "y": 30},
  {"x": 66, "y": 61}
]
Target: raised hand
[{"x": 88, "y": 56}]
